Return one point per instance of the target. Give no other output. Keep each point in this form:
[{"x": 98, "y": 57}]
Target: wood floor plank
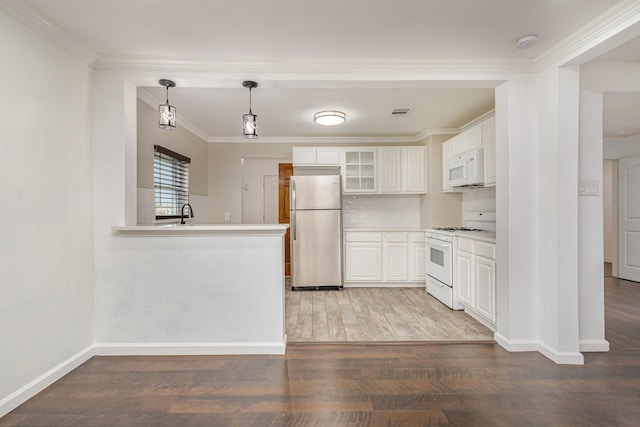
[
  {"x": 413, "y": 315},
  {"x": 358, "y": 384}
]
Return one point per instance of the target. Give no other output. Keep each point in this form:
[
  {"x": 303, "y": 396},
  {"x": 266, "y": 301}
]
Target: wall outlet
[{"x": 227, "y": 216}]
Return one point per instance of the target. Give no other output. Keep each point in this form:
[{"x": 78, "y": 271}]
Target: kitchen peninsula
[{"x": 194, "y": 289}]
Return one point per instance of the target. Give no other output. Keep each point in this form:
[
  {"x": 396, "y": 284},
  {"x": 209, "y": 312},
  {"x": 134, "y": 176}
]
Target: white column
[
  {"x": 591, "y": 240},
  {"x": 558, "y": 94},
  {"x": 516, "y": 214}
]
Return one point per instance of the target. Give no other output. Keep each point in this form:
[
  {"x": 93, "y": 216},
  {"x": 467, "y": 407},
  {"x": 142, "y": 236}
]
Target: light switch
[
  {"x": 227, "y": 216},
  {"x": 588, "y": 188}
]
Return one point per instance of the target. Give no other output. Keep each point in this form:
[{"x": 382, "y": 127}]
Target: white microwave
[{"x": 466, "y": 169}]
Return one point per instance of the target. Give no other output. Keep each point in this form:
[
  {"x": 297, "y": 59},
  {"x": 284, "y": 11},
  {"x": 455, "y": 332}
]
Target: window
[{"x": 170, "y": 181}]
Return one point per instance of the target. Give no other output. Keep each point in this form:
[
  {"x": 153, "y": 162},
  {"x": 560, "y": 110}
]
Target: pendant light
[
  {"x": 250, "y": 127},
  {"x": 166, "y": 112}
]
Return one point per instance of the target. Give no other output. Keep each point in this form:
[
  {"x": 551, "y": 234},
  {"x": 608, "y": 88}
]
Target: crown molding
[
  {"x": 36, "y": 21},
  {"x": 618, "y": 17},
  {"x": 315, "y": 140},
  {"x": 152, "y": 101},
  {"x": 478, "y": 120},
  {"x": 335, "y": 140},
  {"x": 432, "y": 132},
  {"x": 441, "y": 67}
]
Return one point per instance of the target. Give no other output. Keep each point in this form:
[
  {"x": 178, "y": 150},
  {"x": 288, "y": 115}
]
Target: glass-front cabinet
[{"x": 359, "y": 170}]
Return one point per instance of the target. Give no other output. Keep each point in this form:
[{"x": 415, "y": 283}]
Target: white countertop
[
  {"x": 385, "y": 229},
  {"x": 200, "y": 229},
  {"x": 477, "y": 235}
]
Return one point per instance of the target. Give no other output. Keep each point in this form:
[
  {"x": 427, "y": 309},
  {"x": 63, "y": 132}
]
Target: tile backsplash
[{"x": 381, "y": 211}]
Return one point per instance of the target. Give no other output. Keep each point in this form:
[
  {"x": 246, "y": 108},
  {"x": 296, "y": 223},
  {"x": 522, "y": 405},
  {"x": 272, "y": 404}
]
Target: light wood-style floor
[{"x": 376, "y": 314}]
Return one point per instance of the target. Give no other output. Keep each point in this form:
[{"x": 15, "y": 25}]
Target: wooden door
[{"x": 285, "y": 170}]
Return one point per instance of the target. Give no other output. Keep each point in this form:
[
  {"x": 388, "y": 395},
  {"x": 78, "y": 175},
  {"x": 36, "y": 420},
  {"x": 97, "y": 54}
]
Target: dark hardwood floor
[{"x": 407, "y": 384}]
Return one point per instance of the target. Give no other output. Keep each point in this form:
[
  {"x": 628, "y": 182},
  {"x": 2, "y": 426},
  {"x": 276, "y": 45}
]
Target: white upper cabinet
[
  {"x": 359, "y": 170},
  {"x": 467, "y": 140},
  {"x": 489, "y": 144},
  {"x": 446, "y": 155},
  {"x": 371, "y": 170},
  {"x": 402, "y": 170},
  {"x": 414, "y": 171},
  {"x": 390, "y": 169},
  {"x": 482, "y": 135},
  {"x": 316, "y": 156}
]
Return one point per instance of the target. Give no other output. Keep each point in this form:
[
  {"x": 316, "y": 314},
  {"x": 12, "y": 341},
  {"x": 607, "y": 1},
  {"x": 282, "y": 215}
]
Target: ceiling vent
[{"x": 399, "y": 112}]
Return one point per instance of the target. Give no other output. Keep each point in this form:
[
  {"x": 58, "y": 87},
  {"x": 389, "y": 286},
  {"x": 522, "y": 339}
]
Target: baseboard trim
[
  {"x": 34, "y": 387},
  {"x": 182, "y": 349},
  {"x": 561, "y": 358},
  {"x": 383, "y": 285},
  {"x": 595, "y": 346},
  {"x": 515, "y": 345}
]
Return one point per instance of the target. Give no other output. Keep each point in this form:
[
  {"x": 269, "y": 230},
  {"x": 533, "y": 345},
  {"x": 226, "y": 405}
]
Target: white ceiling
[{"x": 331, "y": 31}]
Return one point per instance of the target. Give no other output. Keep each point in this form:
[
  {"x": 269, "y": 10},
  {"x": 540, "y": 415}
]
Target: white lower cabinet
[
  {"x": 464, "y": 282},
  {"x": 475, "y": 279},
  {"x": 485, "y": 274},
  {"x": 362, "y": 257},
  {"x": 385, "y": 256},
  {"x": 417, "y": 257},
  {"x": 395, "y": 257}
]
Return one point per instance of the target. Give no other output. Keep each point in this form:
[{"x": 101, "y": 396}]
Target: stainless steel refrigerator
[{"x": 316, "y": 232}]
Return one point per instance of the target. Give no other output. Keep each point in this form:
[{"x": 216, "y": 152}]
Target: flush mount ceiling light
[
  {"x": 329, "y": 118},
  {"x": 526, "y": 41},
  {"x": 166, "y": 112},
  {"x": 250, "y": 127}
]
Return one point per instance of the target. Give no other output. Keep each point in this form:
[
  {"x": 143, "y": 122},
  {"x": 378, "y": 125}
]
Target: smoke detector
[{"x": 526, "y": 41}]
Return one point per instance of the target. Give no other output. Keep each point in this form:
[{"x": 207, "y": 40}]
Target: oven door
[{"x": 438, "y": 260}]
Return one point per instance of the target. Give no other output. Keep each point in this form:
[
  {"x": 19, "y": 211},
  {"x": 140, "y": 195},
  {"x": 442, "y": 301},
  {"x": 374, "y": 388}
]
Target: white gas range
[{"x": 440, "y": 251}]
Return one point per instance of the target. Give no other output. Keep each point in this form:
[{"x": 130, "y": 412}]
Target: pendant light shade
[
  {"x": 249, "y": 120},
  {"x": 166, "y": 112},
  {"x": 329, "y": 118}
]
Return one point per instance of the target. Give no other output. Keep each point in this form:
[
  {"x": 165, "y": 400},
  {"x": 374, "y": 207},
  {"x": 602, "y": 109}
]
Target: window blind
[{"x": 171, "y": 182}]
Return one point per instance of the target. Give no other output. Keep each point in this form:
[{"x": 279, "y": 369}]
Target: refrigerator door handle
[{"x": 292, "y": 218}]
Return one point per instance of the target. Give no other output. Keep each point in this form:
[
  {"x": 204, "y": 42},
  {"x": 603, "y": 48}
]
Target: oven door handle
[{"x": 438, "y": 244}]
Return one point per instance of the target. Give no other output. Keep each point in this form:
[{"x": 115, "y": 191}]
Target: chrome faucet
[{"x": 182, "y": 212}]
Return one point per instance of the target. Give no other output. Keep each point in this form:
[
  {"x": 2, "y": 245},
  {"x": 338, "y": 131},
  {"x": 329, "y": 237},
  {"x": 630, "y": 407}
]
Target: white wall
[
  {"x": 479, "y": 200},
  {"x": 251, "y": 187},
  {"x": 619, "y": 147},
  {"x": 438, "y": 209},
  {"x": 226, "y": 175},
  {"x": 179, "y": 140},
  {"x": 46, "y": 246},
  {"x": 517, "y": 217}
]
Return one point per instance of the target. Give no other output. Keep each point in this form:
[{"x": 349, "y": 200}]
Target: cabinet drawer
[
  {"x": 487, "y": 250},
  {"x": 465, "y": 245},
  {"x": 363, "y": 237},
  {"x": 417, "y": 237},
  {"x": 396, "y": 237}
]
